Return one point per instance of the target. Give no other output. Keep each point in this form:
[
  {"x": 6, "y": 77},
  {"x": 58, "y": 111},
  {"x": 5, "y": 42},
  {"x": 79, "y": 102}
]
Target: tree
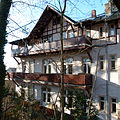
[
  {"x": 4, "y": 11},
  {"x": 78, "y": 101},
  {"x": 117, "y": 3},
  {"x": 62, "y": 60}
]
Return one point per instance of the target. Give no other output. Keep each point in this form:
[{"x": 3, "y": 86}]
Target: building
[{"x": 91, "y": 59}]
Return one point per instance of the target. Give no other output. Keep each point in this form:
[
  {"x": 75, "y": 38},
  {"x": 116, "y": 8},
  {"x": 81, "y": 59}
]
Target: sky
[{"x": 25, "y": 13}]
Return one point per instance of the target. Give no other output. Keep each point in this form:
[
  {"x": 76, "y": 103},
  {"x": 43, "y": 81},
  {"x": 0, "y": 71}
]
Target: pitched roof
[
  {"x": 101, "y": 17},
  {"x": 43, "y": 22}
]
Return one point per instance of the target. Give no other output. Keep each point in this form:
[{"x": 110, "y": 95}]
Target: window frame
[
  {"x": 68, "y": 98},
  {"x": 70, "y": 34},
  {"x": 31, "y": 66},
  {"x": 112, "y": 30},
  {"x": 100, "y": 103},
  {"x": 113, "y": 103},
  {"x": 67, "y": 64},
  {"x": 113, "y": 66},
  {"x": 46, "y": 94},
  {"x": 101, "y": 61},
  {"x": 47, "y": 67},
  {"x": 86, "y": 66}
]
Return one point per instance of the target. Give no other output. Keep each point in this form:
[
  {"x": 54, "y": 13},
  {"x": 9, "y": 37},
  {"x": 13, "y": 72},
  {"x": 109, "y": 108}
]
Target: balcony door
[{"x": 86, "y": 65}]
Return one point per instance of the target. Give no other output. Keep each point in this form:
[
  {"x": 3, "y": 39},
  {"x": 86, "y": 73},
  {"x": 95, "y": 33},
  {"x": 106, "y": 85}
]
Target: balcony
[
  {"x": 75, "y": 43},
  {"x": 80, "y": 80}
]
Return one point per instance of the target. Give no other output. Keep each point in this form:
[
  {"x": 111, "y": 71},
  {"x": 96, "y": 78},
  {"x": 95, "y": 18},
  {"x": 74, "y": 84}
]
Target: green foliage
[
  {"x": 4, "y": 10},
  {"x": 80, "y": 105}
]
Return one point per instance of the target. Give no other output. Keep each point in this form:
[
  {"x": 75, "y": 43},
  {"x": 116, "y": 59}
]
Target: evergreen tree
[{"x": 4, "y": 11}]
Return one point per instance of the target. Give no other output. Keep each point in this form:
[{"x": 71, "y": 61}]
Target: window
[
  {"x": 31, "y": 66},
  {"x": 70, "y": 34},
  {"x": 46, "y": 94},
  {"x": 113, "y": 105},
  {"x": 101, "y": 32},
  {"x": 44, "y": 39},
  {"x": 64, "y": 35},
  {"x": 88, "y": 33},
  {"x": 101, "y": 58},
  {"x": 23, "y": 66},
  {"x": 113, "y": 62},
  {"x": 47, "y": 66},
  {"x": 30, "y": 91},
  {"x": 112, "y": 30},
  {"x": 102, "y": 103},
  {"x": 80, "y": 32},
  {"x": 86, "y": 65},
  {"x": 68, "y": 98},
  {"x": 50, "y": 38},
  {"x": 68, "y": 66}
]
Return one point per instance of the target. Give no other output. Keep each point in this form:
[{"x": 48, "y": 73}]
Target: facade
[{"x": 91, "y": 59}]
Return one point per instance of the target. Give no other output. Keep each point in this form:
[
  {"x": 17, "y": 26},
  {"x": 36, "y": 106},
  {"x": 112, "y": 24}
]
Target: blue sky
[{"x": 22, "y": 17}]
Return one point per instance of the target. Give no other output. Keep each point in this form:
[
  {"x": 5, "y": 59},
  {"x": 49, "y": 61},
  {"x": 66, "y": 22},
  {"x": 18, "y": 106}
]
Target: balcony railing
[
  {"x": 70, "y": 43},
  {"x": 53, "y": 79}
]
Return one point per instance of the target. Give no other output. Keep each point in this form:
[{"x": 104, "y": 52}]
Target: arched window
[
  {"x": 47, "y": 66},
  {"x": 68, "y": 66}
]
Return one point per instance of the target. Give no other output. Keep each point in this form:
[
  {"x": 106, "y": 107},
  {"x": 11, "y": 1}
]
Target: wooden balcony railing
[
  {"x": 70, "y": 43},
  {"x": 69, "y": 79}
]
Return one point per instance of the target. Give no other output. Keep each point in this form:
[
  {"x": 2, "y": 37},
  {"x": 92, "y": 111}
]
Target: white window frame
[
  {"x": 115, "y": 103},
  {"x": 67, "y": 97},
  {"x": 67, "y": 64},
  {"x": 113, "y": 60},
  {"x": 47, "y": 92},
  {"x": 86, "y": 65},
  {"x": 47, "y": 66},
  {"x": 31, "y": 66}
]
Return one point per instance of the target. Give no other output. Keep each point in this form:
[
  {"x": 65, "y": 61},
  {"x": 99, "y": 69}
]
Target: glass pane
[
  {"x": 44, "y": 97},
  {"x": 49, "y": 69},
  {"x": 64, "y": 35},
  {"x": 64, "y": 69},
  {"x": 101, "y": 32},
  {"x": 68, "y": 60},
  {"x": 114, "y": 100},
  {"x": 70, "y": 34},
  {"x": 48, "y": 99},
  {"x": 112, "y": 64},
  {"x": 101, "y": 65},
  {"x": 70, "y": 69},
  {"x": 45, "y": 69},
  {"x": 50, "y": 38},
  {"x": 102, "y": 106},
  {"x": 113, "y": 107}
]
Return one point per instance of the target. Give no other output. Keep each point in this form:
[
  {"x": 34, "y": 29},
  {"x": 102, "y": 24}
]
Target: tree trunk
[
  {"x": 62, "y": 62},
  {"x": 4, "y": 10}
]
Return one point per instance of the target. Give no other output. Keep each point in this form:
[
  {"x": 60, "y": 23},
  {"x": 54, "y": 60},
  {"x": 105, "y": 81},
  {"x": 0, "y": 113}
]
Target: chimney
[
  {"x": 93, "y": 13},
  {"x": 108, "y": 8}
]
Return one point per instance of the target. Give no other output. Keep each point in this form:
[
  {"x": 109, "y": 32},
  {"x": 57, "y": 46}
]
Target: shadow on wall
[{"x": 114, "y": 93}]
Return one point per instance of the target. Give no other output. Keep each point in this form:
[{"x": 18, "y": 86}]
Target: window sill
[
  {"x": 113, "y": 70},
  {"x": 102, "y": 70}
]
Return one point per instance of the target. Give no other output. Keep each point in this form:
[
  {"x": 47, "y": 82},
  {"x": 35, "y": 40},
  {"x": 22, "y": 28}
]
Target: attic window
[{"x": 56, "y": 20}]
